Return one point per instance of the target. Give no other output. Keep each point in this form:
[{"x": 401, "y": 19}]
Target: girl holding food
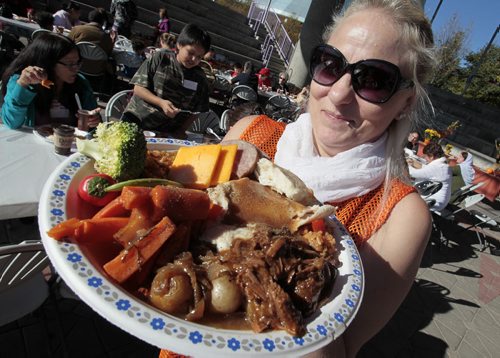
[
  {"x": 40, "y": 85},
  {"x": 366, "y": 93}
]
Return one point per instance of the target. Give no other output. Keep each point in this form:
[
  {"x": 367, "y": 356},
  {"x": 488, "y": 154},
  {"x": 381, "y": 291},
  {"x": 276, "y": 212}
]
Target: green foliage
[
  {"x": 119, "y": 150},
  {"x": 241, "y": 6},
  {"x": 485, "y": 85}
]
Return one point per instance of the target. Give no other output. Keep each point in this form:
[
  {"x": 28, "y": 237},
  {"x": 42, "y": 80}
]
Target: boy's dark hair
[
  {"x": 434, "y": 149},
  {"x": 191, "y": 34},
  {"x": 98, "y": 15},
  {"x": 71, "y": 6},
  {"x": 238, "y": 65},
  {"x": 44, "y": 19}
]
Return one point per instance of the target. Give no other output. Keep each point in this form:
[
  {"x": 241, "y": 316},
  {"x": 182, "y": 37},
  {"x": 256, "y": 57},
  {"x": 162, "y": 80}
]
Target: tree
[
  {"x": 450, "y": 44},
  {"x": 485, "y": 86}
]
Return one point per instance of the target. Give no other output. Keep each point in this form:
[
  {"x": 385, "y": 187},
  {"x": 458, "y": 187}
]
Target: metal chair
[
  {"x": 221, "y": 90},
  {"x": 224, "y": 121},
  {"x": 117, "y": 104},
  {"x": 426, "y": 189},
  {"x": 445, "y": 214},
  {"x": 204, "y": 121},
  {"x": 22, "y": 285},
  {"x": 91, "y": 51}
]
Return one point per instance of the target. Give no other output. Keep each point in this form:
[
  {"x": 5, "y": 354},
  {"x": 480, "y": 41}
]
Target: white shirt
[
  {"x": 437, "y": 170},
  {"x": 467, "y": 170}
]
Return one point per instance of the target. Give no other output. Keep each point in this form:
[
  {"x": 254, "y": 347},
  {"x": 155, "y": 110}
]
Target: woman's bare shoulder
[{"x": 239, "y": 127}]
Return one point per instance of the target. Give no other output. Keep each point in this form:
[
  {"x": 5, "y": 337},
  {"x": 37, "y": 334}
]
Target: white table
[
  {"x": 20, "y": 28},
  {"x": 26, "y": 161}
]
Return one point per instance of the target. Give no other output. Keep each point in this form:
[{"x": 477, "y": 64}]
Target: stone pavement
[{"x": 452, "y": 310}]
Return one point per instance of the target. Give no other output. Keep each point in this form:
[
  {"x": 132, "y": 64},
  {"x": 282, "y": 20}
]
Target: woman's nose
[{"x": 341, "y": 91}]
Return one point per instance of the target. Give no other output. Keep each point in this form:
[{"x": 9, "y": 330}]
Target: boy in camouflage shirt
[{"x": 168, "y": 82}]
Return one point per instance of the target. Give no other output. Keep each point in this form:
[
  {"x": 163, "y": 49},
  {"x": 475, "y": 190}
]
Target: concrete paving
[{"x": 452, "y": 310}]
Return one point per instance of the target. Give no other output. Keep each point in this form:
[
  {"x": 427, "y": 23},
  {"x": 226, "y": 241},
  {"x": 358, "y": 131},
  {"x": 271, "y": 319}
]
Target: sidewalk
[{"x": 452, "y": 310}]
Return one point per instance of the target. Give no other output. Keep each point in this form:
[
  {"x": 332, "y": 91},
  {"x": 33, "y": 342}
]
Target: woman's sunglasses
[{"x": 373, "y": 80}]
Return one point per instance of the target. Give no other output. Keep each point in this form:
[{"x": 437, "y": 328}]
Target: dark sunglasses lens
[
  {"x": 375, "y": 81},
  {"x": 326, "y": 66}
]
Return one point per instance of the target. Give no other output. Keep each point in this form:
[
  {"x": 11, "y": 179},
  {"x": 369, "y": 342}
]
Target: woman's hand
[
  {"x": 169, "y": 109},
  {"x": 31, "y": 75},
  {"x": 95, "y": 118}
]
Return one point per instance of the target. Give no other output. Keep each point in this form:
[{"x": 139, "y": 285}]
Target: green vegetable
[
  {"x": 119, "y": 150},
  {"x": 142, "y": 182}
]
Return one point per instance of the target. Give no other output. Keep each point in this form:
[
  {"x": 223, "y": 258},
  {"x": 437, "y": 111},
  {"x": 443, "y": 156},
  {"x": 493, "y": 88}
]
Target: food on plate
[
  {"x": 149, "y": 182},
  {"x": 92, "y": 189},
  {"x": 246, "y": 158},
  {"x": 239, "y": 251},
  {"x": 47, "y": 83},
  {"x": 119, "y": 150}
]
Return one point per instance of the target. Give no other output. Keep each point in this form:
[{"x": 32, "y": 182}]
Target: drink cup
[
  {"x": 63, "y": 139},
  {"x": 83, "y": 119}
]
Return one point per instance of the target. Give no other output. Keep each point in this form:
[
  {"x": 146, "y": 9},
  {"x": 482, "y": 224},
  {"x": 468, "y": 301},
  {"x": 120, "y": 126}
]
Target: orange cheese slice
[
  {"x": 222, "y": 172},
  {"x": 194, "y": 166}
]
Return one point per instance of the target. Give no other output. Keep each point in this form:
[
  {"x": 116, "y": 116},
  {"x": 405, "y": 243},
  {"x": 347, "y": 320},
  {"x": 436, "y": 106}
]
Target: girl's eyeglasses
[
  {"x": 75, "y": 65},
  {"x": 374, "y": 80}
]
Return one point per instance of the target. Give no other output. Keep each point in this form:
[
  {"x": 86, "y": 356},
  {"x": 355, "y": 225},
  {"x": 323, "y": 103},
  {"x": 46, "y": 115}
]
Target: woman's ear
[{"x": 407, "y": 107}]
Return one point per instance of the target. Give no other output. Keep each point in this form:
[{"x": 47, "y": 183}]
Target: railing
[{"x": 277, "y": 37}]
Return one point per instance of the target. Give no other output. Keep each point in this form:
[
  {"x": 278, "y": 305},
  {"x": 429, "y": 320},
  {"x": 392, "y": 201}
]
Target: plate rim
[{"x": 269, "y": 343}]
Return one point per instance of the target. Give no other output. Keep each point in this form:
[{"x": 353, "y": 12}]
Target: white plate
[
  {"x": 46, "y": 132},
  {"x": 60, "y": 201}
]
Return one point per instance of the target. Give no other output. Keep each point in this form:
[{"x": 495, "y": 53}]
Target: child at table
[{"x": 53, "y": 60}]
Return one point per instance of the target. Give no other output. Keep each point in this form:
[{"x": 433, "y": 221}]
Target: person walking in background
[
  {"x": 68, "y": 16},
  {"x": 124, "y": 14},
  {"x": 52, "y": 57}
]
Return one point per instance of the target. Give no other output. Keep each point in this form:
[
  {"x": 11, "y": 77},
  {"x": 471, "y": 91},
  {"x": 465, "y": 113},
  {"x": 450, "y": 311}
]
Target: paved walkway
[{"x": 452, "y": 310}]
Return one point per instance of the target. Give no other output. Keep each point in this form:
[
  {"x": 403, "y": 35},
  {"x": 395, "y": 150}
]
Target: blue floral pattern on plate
[{"x": 165, "y": 331}]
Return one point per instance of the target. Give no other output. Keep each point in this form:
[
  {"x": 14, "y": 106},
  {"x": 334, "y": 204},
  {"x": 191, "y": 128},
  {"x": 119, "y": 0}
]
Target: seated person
[
  {"x": 68, "y": 16},
  {"x": 413, "y": 141},
  {"x": 438, "y": 170},
  {"x": 463, "y": 174},
  {"x": 237, "y": 69},
  {"x": 93, "y": 32},
  {"x": 264, "y": 76},
  {"x": 167, "y": 42},
  {"x": 243, "y": 110},
  {"x": 45, "y": 20},
  {"x": 134, "y": 59},
  {"x": 27, "y": 102},
  {"x": 282, "y": 86},
  {"x": 168, "y": 82},
  {"x": 247, "y": 77}
]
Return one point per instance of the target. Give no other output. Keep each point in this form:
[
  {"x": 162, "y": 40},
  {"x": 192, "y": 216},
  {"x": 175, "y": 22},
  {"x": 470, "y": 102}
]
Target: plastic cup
[
  {"x": 83, "y": 119},
  {"x": 63, "y": 139}
]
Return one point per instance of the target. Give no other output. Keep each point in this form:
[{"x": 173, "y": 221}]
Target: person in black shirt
[{"x": 247, "y": 77}]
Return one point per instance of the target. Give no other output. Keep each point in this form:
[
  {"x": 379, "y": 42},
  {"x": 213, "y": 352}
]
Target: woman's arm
[
  {"x": 391, "y": 258},
  {"x": 18, "y": 108}
]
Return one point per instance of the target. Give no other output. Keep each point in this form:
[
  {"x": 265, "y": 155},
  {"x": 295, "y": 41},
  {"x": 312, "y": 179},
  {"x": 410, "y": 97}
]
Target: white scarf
[{"x": 352, "y": 173}]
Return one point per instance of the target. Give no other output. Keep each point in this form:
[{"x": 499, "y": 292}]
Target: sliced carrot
[
  {"x": 64, "y": 229},
  {"x": 133, "y": 257},
  {"x": 100, "y": 230},
  {"x": 140, "y": 219},
  {"x": 135, "y": 196},
  {"x": 318, "y": 225},
  {"x": 181, "y": 204},
  {"x": 114, "y": 208}
]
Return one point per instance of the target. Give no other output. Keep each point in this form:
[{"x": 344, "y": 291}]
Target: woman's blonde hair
[{"x": 417, "y": 43}]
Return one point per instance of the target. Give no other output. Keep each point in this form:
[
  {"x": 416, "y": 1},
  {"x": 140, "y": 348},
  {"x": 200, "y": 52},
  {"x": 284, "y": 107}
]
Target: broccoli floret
[{"x": 119, "y": 150}]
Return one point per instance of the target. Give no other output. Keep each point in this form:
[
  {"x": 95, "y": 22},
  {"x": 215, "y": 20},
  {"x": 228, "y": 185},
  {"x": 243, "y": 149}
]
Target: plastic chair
[
  {"x": 22, "y": 285},
  {"x": 221, "y": 90},
  {"x": 37, "y": 32},
  {"x": 224, "y": 121},
  {"x": 244, "y": 93},
  {"x": 116, "y": 105},
  {"x": 205, "y": 120}
]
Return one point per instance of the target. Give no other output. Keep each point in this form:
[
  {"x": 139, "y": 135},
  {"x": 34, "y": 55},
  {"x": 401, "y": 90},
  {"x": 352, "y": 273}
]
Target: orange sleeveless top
[{"x": 358, "y": 215}]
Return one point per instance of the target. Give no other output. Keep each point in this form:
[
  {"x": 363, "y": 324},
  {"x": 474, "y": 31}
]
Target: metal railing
[{"x": 277, "y": 37}]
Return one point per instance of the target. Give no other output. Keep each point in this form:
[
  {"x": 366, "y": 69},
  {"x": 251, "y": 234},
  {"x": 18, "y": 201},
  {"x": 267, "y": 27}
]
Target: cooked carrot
[
  {"x": 318, "y": 225},
  {"x": 64, "y": 229},
  {"x": 179, "y": 242},
  {"x": 135, "y": 196},
  {"x": 140, "y": 219},
  {"x": 99, "y": 230},
  {"x": 133, "y": 257},
  {"x": 181, "y": 204},
  {"x": 114, "y": 208}
]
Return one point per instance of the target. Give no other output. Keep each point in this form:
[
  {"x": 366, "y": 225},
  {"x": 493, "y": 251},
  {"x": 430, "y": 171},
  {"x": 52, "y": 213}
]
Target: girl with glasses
[
  {"x": 39, "y": 86},
  {"x": 366, "y": 93}
]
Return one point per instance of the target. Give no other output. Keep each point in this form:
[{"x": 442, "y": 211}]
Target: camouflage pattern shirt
[{"x": 165, "y": 77}]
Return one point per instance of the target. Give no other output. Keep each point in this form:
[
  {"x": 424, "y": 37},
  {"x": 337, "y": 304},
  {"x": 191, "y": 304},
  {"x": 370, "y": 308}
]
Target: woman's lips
[{"x": 337, "y": 118}]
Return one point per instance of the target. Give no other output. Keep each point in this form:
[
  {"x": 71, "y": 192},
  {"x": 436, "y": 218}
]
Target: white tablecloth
[{"x": 26, "y": 161}]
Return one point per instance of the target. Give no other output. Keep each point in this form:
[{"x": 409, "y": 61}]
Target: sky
[{"x": 481, "y": 16}]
